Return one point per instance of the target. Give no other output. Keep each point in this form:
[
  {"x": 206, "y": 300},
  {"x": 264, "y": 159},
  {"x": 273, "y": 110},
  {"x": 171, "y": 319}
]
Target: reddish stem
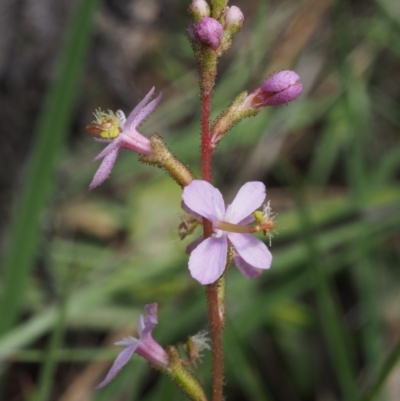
[
  {"x": 216, "y": 327},
  {"x": 215, "y": 322},
  {"x": 206, "y": 148}
]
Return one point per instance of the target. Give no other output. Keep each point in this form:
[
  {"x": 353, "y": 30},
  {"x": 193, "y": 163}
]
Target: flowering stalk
[
  {"x": 207, "y": 80},
  {"x": 214, "y": 302},
  {"x": 227, "y": 229}
]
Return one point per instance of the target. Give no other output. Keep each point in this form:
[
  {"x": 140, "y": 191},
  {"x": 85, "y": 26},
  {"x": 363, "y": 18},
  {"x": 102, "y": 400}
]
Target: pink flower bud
[
  {"x": 191, "y": 32},
  {"x": 280, "y": 88},
  {"x": 234, "y": 18},
  {"x": 199, "y": 9},
  {"x": 209, "y": 31}
]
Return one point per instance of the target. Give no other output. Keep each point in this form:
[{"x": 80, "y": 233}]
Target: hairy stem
[
  {"x": 216, "y": 328},
  {"x": 213, "y": 300},
  {"x": 206, "y": 148}
]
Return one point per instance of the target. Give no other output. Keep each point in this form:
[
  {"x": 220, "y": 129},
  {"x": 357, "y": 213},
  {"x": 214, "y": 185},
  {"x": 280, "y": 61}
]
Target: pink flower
[
  {"x": 121, "y": 133},
  {"x": 144, "y": 346},
  {"x": 208, "y": 258}
]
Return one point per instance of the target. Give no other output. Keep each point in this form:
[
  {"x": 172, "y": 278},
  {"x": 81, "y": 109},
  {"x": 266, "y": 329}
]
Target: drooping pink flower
[
  {"x": 208, "y": 257},
  {"x": 144, "y": 346},
  {"x": 121, "y": 133}
]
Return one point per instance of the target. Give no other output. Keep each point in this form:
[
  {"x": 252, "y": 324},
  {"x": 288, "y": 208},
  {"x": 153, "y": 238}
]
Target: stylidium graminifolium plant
[{"x": 228, "y": 230}]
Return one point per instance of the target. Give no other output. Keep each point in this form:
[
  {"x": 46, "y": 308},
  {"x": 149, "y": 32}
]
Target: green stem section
[{"x": 182, "y": 377}]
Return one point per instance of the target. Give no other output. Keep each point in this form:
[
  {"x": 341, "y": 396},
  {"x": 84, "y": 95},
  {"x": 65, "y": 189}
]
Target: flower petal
[
  {"x": 205, "y": 200},
  {"x": 121, "y": 360},
  {"x": 138, "y": 115},
  {"x": 251, "y": 249},
  {"x": 250, "y": 197},
  {"x": 104, "y": 169},
  {"x": 132, "y": 115},
  {"x": 247, "y": 270},
  {"x": 136, "y": 142},
  {"x": 150, "y": 320},
  {"x": 208, "y": 261},
  {"x": 114, "y": 144}
]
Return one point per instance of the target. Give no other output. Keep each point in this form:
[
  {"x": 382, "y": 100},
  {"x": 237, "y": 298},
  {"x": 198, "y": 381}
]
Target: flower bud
[
  {"x": 191, "y": 32},
  {"x": 199, "y": 9},
  {"x": 209, "y": 31},
  {"x": 233, "y": 19},
  {"x": 280, "y": 88}
]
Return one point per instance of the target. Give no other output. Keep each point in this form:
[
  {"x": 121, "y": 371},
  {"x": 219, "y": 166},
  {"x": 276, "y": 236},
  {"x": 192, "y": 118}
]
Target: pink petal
[
  {"x": 104, "y": 169},
  {"x": 114, "y": 144},
  {"x": 205, "y": 200},
  {"x": 136, "y": 142},
  {"x": 121, "y": 360},
  {"x": 280, "y": 81},
  {"x": 284, "y": 96},
  {"x": 191, "y": 212},
  {"x": 247, "y": 270},
  {"x": 251, "y": 249},
  {"x": 141, "y": 114},
  {"x": 208, "y": 261},
  {"x": 150, "y": 320},
  {"x": 132, "y": 116},
  {"x": 250, "y": 197}
]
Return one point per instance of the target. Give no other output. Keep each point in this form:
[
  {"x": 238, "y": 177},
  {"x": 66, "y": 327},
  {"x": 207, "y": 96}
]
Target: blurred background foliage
[{"x": 77, "y": 266}]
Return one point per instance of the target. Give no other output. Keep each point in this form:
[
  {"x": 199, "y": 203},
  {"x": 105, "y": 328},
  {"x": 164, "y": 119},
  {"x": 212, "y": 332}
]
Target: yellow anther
[{"x": 106, "y": 125}]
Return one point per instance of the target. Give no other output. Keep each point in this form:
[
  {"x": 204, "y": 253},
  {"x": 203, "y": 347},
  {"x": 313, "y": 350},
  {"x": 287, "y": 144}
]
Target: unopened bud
[
  {"x": 192, "y": 32},
  {"x": 209, "y": 31},
  {"x": 199, "y": 9},
  {"x": 233, "y": 19},
  {"x": 280, "y": 88}
]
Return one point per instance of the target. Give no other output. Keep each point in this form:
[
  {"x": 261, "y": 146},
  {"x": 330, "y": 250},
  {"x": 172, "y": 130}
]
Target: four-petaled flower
[
  {"x": 208, "y": 259},
  {"x": 144, "y": 346},
  {"x": 123, "y": 135}
]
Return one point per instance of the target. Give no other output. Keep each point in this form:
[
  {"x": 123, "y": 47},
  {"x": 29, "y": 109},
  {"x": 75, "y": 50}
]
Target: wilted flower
[
  {"x": 144, "y": 346},
  {"x": 121, "y": 133},
  {"x": 208, "y": 258}
]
